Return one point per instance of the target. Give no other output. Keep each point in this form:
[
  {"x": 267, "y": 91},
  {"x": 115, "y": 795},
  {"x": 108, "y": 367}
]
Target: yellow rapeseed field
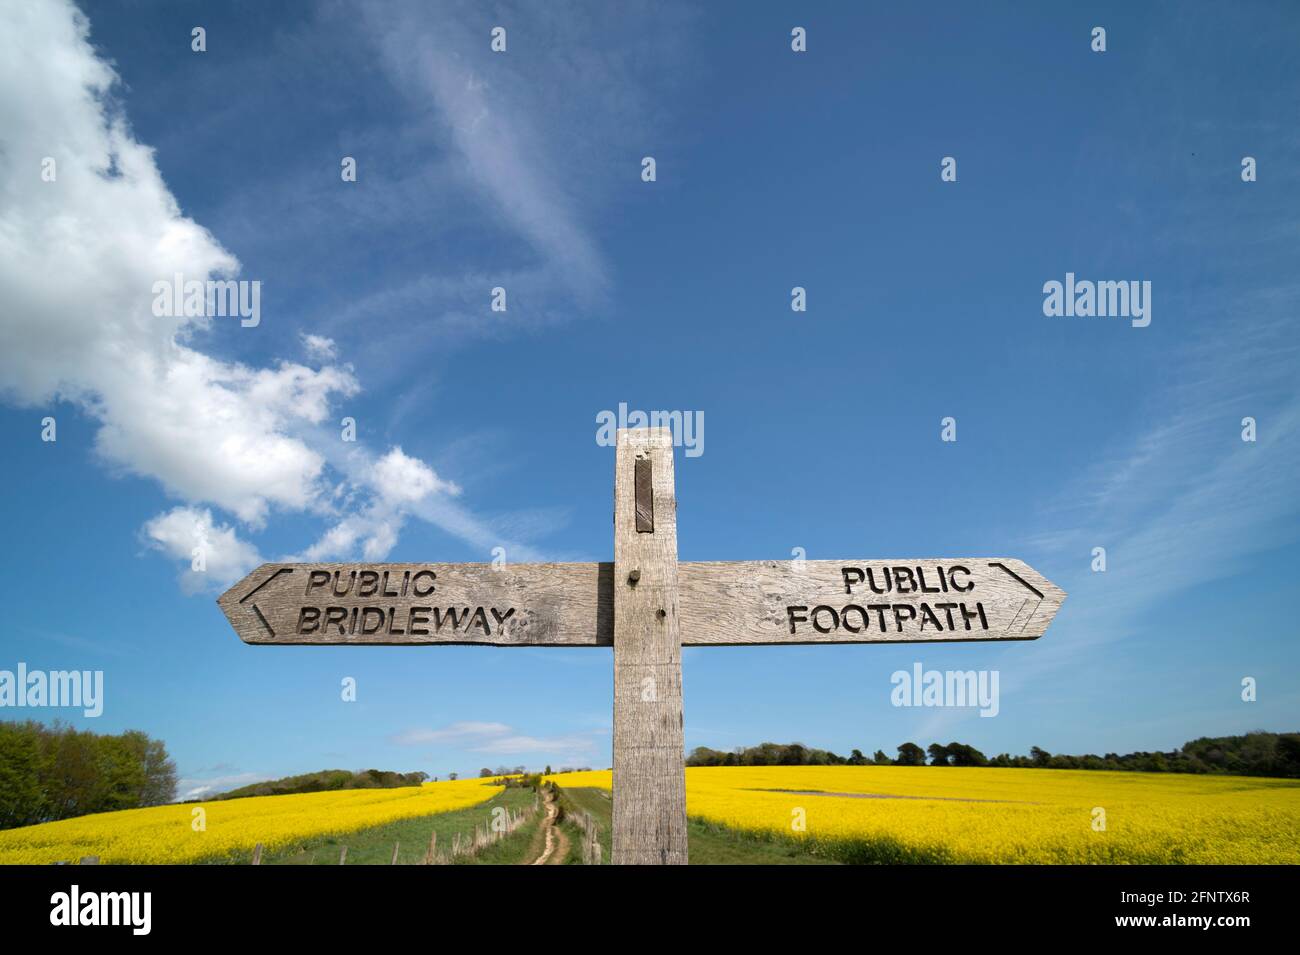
[
  {"x": 170, "y": 834},
  {"x": 936, "y": 814}
]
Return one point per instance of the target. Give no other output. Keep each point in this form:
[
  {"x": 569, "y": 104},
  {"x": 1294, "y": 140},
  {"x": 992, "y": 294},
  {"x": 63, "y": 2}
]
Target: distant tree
[
  {"x": 703, "y": 756},
  {"x": 961, "y": 754},
  {"x": 909, "y": 754},
  {"x": 484, "y": 773},
  {"x": 548, "y": 769},
  {"x": 1286, "y": 760},
  {"x": 159, "y": 773},
  {"x": 452, "y": 777},
  {"x": 1258, "y": 753}
]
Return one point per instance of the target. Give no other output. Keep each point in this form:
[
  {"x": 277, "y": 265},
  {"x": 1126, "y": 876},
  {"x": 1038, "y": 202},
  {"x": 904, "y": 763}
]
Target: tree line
[
  {"x": 1258, "y": 753},
  {"x": 57, "y": 772},
  {"x": 520, "y": 770},
  {"x": 326, "y": 780}
]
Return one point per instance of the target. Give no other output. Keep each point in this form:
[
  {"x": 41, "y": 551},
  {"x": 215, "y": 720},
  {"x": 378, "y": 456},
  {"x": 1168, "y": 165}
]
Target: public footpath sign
[{"x": 646, "y": 606}]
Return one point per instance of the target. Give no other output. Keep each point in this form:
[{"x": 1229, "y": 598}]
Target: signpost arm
[{"x": 649, "y": 764}]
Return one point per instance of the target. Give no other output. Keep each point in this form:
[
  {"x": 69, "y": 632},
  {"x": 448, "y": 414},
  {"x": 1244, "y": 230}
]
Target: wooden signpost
[{"x": 647, "y": 607}]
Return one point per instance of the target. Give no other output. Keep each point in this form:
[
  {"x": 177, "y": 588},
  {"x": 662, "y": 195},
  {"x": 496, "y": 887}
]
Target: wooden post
[
  {"x": 649, "y": 762},
  {"x": 89, "y": 860},
  {"x": 395, "y": 846},
  {"x": 257, "y": 854},
  {"x": 343, "y": 856}
]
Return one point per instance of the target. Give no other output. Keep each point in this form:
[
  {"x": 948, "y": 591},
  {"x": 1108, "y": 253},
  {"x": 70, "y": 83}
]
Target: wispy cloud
[
  {"x": 1190, "y": 501},
  {"x": 1181, "y": 505},
  {"x": 501, "y": 739},
  {"x": 199, "y": 786}
]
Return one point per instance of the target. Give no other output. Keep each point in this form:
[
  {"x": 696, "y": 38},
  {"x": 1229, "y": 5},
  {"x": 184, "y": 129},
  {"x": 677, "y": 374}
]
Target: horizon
[{"x": 560, "y": 770}]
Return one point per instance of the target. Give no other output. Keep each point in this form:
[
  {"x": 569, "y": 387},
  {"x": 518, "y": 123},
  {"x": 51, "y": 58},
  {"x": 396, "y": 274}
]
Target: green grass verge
[
  {"x": 374, "y": 846},
  {"x": 515, "y": 849},
  {"x": 710, "y": 844}
]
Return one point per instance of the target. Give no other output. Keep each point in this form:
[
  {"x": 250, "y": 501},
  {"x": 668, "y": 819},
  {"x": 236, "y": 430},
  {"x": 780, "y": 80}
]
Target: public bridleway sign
[{"x": 646, "y": 606}]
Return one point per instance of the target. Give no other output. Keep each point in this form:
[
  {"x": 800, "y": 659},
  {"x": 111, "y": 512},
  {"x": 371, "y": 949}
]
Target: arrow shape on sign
[
  {"x": 258, "y": 610},
  {"x": 1021, "y": 616}
]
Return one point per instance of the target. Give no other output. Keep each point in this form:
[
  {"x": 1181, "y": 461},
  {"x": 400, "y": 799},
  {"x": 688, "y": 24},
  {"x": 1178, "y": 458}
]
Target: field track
[{"x": 555, "y": 849}]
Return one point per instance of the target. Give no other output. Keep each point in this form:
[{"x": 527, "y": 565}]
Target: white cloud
[
  {"x": 79, "y": 257},
  {"x": 182, "y": 530},
  {"x": 319, "y": 346},
  {"x": 197, "y": 788},
  {"x": 390, "y": 489},
  {"x": 458, "y": 732},
  {"x": 401, "y": 479},
  {"x": 501, "y": 739}
]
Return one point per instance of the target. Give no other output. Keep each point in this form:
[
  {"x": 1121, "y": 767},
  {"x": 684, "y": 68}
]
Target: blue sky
[{"x": 775, "y": 169}]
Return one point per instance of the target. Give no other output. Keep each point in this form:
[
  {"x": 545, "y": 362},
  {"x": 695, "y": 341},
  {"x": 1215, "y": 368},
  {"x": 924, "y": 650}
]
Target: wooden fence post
[{"x": 257, "y": 854}]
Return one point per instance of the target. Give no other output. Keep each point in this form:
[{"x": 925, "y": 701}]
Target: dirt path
[
  {"x": 556, "y": 848},
  {"x": 561, "y": 848}
]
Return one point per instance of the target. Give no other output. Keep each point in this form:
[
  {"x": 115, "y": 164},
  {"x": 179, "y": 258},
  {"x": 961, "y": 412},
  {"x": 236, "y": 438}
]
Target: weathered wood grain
[
  {"x": 542, "y": 604},
  {"x": 947, "y": 600},
  {"x": 649, "y": 824},
  {"x": 722, "y": 603}
]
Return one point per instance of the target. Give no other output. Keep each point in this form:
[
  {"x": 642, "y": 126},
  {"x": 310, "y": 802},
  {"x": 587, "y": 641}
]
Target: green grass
[
  {"x": 515, "y": 849},
  {"x": 710, "y": 844},
  {"x": 374, "y": 846},
  {"x": 575, "y": 802}
]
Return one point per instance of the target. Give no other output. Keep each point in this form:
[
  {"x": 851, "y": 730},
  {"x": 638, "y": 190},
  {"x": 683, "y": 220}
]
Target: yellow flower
[
  {"x": 230, "y": 828},
  {"x": 987, "y": 815}
]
